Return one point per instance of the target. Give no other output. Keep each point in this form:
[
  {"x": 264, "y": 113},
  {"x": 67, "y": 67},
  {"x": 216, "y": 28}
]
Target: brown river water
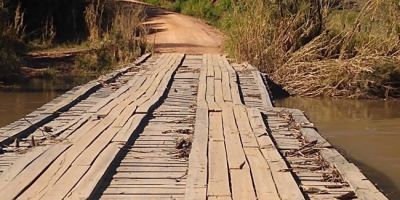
[
  {"x": 367, "y": 132},
  {"x": 19, "y": 100}
]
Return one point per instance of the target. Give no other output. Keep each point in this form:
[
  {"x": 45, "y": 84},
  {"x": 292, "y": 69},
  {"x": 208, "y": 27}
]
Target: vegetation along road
[{"x": 162, "y": 99}]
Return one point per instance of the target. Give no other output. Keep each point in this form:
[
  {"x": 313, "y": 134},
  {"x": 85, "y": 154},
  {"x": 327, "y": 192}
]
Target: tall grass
[
  {"x": 11, "y": 45},
  {"x": 314, "y": 48},
  {"x": 116, "y": 34}
]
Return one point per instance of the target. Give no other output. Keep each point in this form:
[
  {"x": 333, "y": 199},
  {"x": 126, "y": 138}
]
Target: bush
[
  {"x": 116, "y": 34},
  {"x": 95, "y": 62},
  {"x": 11, "y": 47}
]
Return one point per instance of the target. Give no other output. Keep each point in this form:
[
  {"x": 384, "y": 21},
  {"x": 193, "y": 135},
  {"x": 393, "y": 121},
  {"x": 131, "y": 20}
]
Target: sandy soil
[{"x": 173, "y": 32}]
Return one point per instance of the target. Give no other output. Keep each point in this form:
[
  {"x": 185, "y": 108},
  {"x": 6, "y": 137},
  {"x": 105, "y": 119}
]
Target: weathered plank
[
  {"x": 15, "y": 169},
  {"x": 245, "y": 130},
  {"x": 234, "y": 149},
  {"x": 215, "y": 127},
  {"x": 84, "y": 189},
  {"x": 265, "y": 97},
  {"x": 196, "y": 188},
  {"x": 263, "y": 181},
  {"x": 218, "y": 178},
  {"x": 242, "y": 185},
  {"x": 18, "y": 184},
  {"x": 363, "y": 187}
]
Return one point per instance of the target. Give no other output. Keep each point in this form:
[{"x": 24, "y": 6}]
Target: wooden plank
[
  {"x": 283, "y": 178},
  {"x": 218, "y": 178},
  {"x": 210, "y": 95},
  {"x": 127, "y": 113},
  {"x": 242, "y": 184},
  {"x": 64, "y": 185},
  {"x": 234, "y": 149},
  {"x": 245, "y": 130},
  {"x": 142, "y": 59},
  {"x": 265, "y": 97},
  {"x": 135, "y": 82},
  {"x": 162, "y": 88},
  {"x": 216, "y": 130},
  {"x": 16, "y": 168},
  {"x": 17, "y": 185},
  {"x": 209, "y": 65},
  {"x": 92, "y": 179},
  {"x": 217, "y": 68},
  {"x": 70, "y": 100},
  {"x": 219, "y": 97},
  {"x": 262, "y": 177},
  {"x": 140, "y": 196},
  {"x": 196, "y": 188},
  {"x": 145, "y": 191},
  {"x": 226, "y": 88},
  {"x": 310, "y": 134},
  {"x": 363, "y": 187},
  {"x": 219, "y": 198},
  {"x": 138, "y": 90},
  {"x": 233, "y": 83},
  {"x": 126, "y": 132},
  {"x": 257, "y": 122}
]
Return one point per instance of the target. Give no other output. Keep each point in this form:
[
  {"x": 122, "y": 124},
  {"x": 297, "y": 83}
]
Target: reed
[
  {"x": 315, "y": 48},
  {"x": 11, "y": 45},
  {"x": 116, "y": 35}
]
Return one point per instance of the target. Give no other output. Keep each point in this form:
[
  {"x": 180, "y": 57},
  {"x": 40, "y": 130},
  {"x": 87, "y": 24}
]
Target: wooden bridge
[{"x": 173, "y": 126}]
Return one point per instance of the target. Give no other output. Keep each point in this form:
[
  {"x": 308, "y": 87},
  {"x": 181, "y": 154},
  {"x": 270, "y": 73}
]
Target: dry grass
[
  {"x": 116, "y": 33},
  {"x": 11, "y": 45},
  {"x": 315, "y": 49}
]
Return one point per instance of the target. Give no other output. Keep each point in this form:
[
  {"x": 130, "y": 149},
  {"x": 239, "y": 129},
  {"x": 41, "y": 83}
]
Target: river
[
  {"x": 21, "y": 99},
  {"x": 366, "y": 131}
]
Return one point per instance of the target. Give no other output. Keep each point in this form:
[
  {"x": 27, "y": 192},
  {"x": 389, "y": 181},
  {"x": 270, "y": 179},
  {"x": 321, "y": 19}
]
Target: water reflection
[
  {"x": 367, "y": 131},
  {"x": 18, "y": 100}
]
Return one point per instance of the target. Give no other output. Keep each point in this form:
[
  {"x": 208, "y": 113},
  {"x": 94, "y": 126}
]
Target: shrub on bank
[
  {"x": 112, "y": 32},
  {"x": 116, "y": 35},
  {"x": 11, "y": 47}
]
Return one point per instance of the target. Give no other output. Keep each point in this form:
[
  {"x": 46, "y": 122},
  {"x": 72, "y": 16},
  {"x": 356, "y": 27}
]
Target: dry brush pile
[{"x": 336, "y": 48}]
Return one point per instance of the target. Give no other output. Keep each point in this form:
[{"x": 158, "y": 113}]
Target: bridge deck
[{"x": 173, "y": 126}]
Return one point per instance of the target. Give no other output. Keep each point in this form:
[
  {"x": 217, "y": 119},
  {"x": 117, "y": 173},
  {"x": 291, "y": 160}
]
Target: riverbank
[{"x": 113, "y": 34}]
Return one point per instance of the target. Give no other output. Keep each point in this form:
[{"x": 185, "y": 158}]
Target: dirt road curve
[{"x": 173, "y": 32}]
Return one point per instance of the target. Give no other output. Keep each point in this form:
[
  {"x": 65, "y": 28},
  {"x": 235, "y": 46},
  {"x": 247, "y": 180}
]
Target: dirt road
[{"x": 173, "y": 32}]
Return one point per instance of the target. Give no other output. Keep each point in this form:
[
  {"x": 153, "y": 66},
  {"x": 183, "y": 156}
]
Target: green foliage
[
  {"x": 208, "y": 10},
  {"x": 117, "y": 36},
  {"x": 97, "y": 62}
]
